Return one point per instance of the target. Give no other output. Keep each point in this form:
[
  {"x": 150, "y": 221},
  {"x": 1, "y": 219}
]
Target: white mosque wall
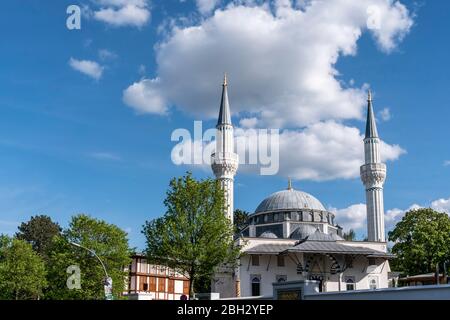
[
  {"x": 431, "y": 292},
  {"x": 267, "y": 271},
  {"x": 365, "y": 273}
]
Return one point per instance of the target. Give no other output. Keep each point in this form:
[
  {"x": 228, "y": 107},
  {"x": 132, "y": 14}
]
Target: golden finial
[
  {"x": 225, "y": 79},
  {"x": 289, "y": 184}
]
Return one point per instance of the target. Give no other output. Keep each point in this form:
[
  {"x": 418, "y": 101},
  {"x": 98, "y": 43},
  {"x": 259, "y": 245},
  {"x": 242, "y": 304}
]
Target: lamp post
[{"x": 108, "y": 279}]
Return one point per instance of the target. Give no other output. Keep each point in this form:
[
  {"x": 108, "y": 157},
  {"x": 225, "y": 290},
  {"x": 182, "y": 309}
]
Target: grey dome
[
  {"x": 268, "y": 234},
  {"x": 302, "y": 231},
  {"x": 289, "y": 199}
]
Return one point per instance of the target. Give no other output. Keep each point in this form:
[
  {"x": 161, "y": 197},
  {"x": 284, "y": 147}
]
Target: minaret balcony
[{"x": 373, "y": 174}]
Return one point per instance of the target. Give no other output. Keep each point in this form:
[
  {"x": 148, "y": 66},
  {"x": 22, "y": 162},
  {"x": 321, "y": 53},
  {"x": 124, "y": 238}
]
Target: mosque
[{"x": 291, "y": 236}]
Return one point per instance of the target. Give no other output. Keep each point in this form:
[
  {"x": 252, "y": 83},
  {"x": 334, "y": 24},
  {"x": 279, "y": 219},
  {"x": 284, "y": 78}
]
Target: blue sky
[{"x": 70, "y": 143}]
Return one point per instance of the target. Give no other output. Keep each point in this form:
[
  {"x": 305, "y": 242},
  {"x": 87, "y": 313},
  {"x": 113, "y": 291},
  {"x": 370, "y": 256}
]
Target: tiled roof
[{"x": 314, "y": 247}]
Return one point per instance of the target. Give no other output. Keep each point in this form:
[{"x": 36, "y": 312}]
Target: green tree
[
  {"x": 194, "y": 236},
  {"x": 22, "y": 271},
  {"x": 350, "y": 235},
  {"x": 422, "y": 240},
  {"x": 39, "y": 232},
  {"x": 108, "y": 241},
  {"x": 240, "y": 219}
]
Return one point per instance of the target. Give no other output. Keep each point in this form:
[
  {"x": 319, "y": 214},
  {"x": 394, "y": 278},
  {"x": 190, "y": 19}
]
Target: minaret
[
  {"x": 224, "y": 161},
  {"x": 373, "y": 174}
]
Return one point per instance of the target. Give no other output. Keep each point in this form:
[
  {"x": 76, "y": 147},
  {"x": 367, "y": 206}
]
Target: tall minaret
[
  {"x": 373, "y": 174},
  {"x": 224, "y": 161}
]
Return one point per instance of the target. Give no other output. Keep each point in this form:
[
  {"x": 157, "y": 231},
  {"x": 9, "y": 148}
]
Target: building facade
[
  {"x": 291, "y": 236},
  {"x": 154, "y": 282}
]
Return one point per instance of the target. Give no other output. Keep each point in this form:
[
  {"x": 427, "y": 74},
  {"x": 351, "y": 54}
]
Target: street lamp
[{"x": 108, "y": 279}]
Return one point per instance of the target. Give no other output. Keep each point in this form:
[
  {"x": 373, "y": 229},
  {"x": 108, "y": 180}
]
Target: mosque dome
[
  {"x": 289, "y": 199},
  {"x": 268, "y": 234}
]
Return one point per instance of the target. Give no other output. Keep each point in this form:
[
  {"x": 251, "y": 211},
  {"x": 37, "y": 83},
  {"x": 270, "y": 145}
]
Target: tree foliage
[
  {"x": 39, "y": 232},
  {"x": 22, "y": 271},
  {"x": 422, "y": 240},
  {"x": 240, "y": 219},
  {"x": 350, "y": 235},
  {"x": 194, "y": 236},
  {"x": 108, "y": 241}
]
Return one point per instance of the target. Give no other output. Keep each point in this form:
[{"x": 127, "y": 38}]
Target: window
[
  {"x": 255, "y": 260},
  {"x": 280, "y": 261},
  {"x": 350, "y": 284},
  {"x": 277, "y": 217},
  {"x": 372, "y": 261},
  {"x": 145, "y": 287},
  {"x": 142, "y": 283},
  {"x": 317, "y": 217},
  {"x": 307, "y": 216},
  {"x": 161, "y": 284},
  {"x": 186, "y": 287},
  {"x": 281, "y": 278},
  {"x": 171, "y": 286},
  {"x": 152, "y": 284},
  {"x": 256, "y": 285},
  {"x": 373, "y": 284}
]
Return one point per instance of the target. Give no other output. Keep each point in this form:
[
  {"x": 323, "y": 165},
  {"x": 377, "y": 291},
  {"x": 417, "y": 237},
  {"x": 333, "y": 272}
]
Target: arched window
[
  {"x": 307, "y": 216},
  {"x": 373, "y": 284},
  {"x": 294, "y": 216},
  {"x": 350, "y": 284},
  {"x": 256, "y": 285}
]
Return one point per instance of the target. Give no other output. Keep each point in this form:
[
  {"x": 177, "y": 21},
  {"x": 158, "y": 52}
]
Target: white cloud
[
  {"x": 248, "y": 122},
  {"x": 141, "y": 96},
  {"x": 120, "y": 13},
  {"x": 105, "y": 54},
  {"x": 282, "y": 71},
  {"x": 142, "y": 69},
  {"x": 441, "y": 205},
  {"x": 385, "y": 114},
  {"x": 206, "y": 6},
  {"x": 281, "y": 61},
  {"x": 305, "y": 154},
  {"x": 354, "y": 217},
  {"x": 447, "y": 163},
  {"x": 88, "y": 67},
  {"x": 326, "y": 151}
]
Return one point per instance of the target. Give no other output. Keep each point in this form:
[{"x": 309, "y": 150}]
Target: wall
[
  {"x": 268, "y": 270},
  {"x": 436, "y": 292}
]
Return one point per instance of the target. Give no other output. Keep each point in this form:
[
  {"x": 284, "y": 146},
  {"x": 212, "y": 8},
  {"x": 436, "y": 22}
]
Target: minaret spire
[
  {"x": 224, "y": 112},
  {"x": 371, "y": 125},
  {"x": 373, "y": 175},
  {"x": 289, "y": 184}
]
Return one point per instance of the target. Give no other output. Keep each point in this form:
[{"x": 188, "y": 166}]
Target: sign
[{"x": 108, "y": 288}]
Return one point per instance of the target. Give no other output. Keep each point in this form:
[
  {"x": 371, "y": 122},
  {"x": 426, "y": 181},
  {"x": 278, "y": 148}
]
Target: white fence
[{"x": 432, "y": 292}]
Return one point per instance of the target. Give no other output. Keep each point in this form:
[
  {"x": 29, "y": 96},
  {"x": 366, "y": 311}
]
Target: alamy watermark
[
  {"x": 257, "y": 147},
  {"x": 74, "y": 278},
  {"x": 73, "y": 21}
]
